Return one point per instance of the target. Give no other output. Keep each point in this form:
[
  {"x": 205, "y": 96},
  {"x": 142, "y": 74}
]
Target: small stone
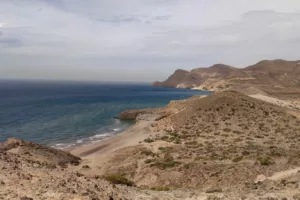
[
  {"x": 35, "y": 165},
  {"x": 260, "y": 178}
]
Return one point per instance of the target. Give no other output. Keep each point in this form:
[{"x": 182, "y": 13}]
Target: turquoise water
[{"x": 66, "y": 114}]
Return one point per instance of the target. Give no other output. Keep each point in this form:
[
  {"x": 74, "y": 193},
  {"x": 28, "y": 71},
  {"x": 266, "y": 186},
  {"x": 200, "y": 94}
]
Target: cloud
[
  {"x": 162, "y": 17},
  {"x": 10, "y": 42},
  {"x": 98, "y": 38}
]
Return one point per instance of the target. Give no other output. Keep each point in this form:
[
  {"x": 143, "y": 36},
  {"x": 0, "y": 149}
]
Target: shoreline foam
[{"x": 131, "y": 136}]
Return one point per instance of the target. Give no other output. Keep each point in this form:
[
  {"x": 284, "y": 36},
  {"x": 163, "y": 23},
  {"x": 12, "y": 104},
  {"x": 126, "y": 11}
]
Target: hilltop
[{"x": 268, "y": 75}]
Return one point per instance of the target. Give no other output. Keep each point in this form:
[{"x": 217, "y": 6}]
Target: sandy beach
[{"x": 94, "y": 153}]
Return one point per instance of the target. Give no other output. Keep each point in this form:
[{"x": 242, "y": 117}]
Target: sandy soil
[
  {"x": 95, "y": 152},
  {"x": 279, "y": 102}
]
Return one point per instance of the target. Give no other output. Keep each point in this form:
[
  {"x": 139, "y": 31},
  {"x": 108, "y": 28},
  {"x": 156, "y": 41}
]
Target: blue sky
[{"x": 141, "y": 40}]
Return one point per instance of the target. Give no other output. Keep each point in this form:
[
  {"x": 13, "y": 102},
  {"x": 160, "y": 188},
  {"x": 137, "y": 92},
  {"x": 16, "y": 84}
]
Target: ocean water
[{"x": 62, "y": 115}]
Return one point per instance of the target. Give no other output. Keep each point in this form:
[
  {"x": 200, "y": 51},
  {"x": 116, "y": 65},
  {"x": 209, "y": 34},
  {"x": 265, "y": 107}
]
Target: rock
[
  {"x": 260, "y": 178},
  {"x": 129, "y": 114},
  {"x": 144, "y": 114},
  {"x": 154, "y": 124},
  {"x": 35, "y": 165},
  {"x": 10, "y": 143}
]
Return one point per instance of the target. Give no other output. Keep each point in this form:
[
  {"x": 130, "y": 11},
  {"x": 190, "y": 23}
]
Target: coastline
[
  {"x": 141, "y": 130},
  {"x": 132, "y": 136},
  {"x": 171, "y": 161}
]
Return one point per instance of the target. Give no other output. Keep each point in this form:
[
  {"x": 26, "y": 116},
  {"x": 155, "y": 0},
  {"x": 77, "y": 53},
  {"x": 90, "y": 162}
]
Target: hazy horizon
[{"x": 141, "y": 40}]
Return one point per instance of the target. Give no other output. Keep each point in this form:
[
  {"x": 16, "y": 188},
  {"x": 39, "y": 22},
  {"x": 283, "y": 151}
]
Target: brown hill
[
  {"x": 29, "y": 171},
  {"x": 221, "y": 142},
  {"x": 265, "y": 75}
]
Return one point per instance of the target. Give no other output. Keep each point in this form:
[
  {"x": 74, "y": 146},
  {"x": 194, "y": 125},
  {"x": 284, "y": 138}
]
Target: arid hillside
[
  {"x": 226, "y": 146},
  {"x": 223, "y": 143},
  {"x": 32, "y": 172},
  {"x": 265, "y": 75}
]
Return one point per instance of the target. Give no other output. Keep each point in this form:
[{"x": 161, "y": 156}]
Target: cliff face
[
  {"x": 220, "y": 77},
  {"x": 180, "y": 78}
]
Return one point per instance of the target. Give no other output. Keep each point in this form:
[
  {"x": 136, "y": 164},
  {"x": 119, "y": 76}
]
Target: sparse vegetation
[
  {"x": 149, "y": 161},
  {"x": 238, "y": 159},
  {"x": 118, "y": 179},
  {"x": 148, "y": 153},
  {"x": 160, "y": 188},
  {"x": 219, "y": 145},
  {"x": 165, "y": 149},
  {"x": 227, "y": 130},
  {"x": 165, "y": 164},
  {"x": 265, "y": 160},
  {"x": 148, "y": 140}
]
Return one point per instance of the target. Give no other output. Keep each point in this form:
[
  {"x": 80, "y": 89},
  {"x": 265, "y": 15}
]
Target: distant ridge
[{"x": 219, "y": 77}]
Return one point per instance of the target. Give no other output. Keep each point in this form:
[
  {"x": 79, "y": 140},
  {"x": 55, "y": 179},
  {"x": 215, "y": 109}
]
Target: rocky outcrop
[
  {"x": 156, "y": 114},
  {"x": 145, "y": 114},
  {"x": 48, "y": 155},
  {"x": 179, "y": 79}
]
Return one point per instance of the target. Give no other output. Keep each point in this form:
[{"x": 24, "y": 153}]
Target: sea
[{"x": 66, "y": 114}]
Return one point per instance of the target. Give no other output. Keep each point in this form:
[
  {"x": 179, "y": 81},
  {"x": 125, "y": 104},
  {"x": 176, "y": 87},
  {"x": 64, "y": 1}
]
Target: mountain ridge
[{"x": 220, "y": 77}]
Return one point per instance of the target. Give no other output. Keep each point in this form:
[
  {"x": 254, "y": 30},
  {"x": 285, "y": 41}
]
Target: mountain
[{"x": 264, "y": 74}]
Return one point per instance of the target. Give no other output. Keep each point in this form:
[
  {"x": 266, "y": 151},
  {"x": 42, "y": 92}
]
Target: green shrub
[
  {"x": 148, "y": 153},
  {"x": 118, "y": 179},
  {"x": 149, "y": 161},
  {"x": 237, "y": 159},
  {"x": 165, "y": 149},
  {"x": 164, "y": 138},
  {"x": 148, "y": 140},
  {"x": 237, "y": 132},
  {"x": 177, "y": 141},
  {"x": 174, "y": 134},
  {"x": 265, "y": 160},
  {"x": 160, "y": 188},
  {"x": 187, "y": 165},
  {"x": 165, "y": 165},
  {"x": 226, "y": 129}
]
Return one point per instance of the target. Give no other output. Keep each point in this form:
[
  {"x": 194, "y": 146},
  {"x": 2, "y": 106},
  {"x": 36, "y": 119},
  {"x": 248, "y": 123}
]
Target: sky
[{"x": 141, "y": 40}]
